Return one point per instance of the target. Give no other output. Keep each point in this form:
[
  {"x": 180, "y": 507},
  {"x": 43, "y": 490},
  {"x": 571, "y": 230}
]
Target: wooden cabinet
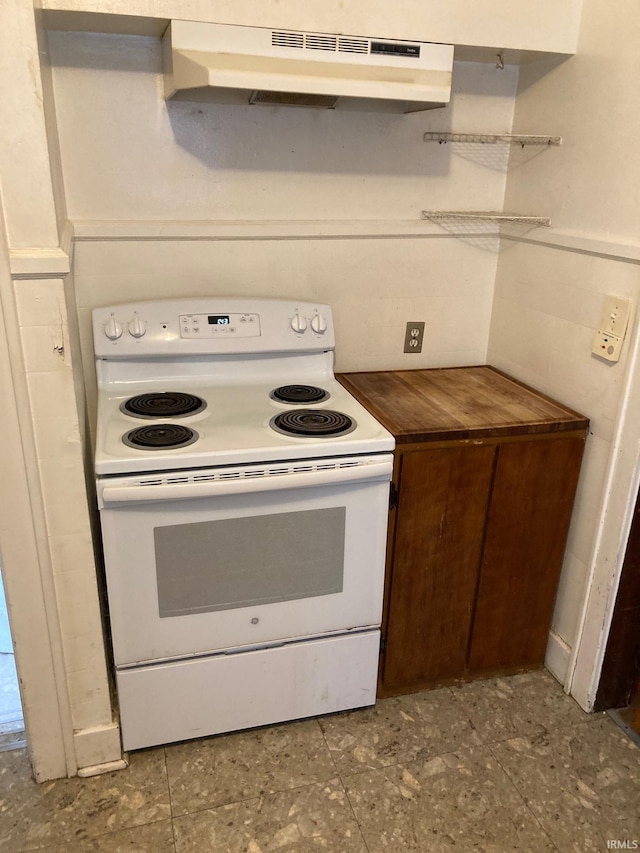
[{"x": 485, "y": 476}]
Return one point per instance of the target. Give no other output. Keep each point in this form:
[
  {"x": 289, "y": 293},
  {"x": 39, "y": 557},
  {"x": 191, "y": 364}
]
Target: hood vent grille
[
  {"x": 287, "y": 39},
  {"x": 319, "y": 41},
  {"x": 351, "y": 45}
]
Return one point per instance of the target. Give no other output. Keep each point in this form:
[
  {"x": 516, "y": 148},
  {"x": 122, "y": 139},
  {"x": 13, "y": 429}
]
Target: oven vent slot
[{"x": 252, "y": 473}]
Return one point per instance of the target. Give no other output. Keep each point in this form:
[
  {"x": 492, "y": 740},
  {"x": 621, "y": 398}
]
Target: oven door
[{"x": 231, "y": 559}]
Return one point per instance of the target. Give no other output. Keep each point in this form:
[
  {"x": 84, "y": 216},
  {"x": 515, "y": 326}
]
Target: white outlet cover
[{"x": 606, "y": 345}]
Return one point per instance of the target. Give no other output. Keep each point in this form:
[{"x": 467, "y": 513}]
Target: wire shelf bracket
[
  {"x": 485, "y": 216},
  {"x": 493, "y": 138}
]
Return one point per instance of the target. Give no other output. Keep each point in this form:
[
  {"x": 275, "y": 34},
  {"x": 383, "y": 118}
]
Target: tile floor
[{"x": 506, "y": 764}]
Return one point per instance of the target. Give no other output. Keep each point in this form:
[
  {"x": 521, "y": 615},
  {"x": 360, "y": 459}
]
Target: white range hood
[{"x": 258, "y": 65}]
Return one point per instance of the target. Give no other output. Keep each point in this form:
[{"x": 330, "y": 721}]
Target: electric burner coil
[
  {"x": 163, "y": 404},
  {"x": 299, "y": 394},
  {"x": 160, "y": 437},
  {"x": 313, "y": 423}
]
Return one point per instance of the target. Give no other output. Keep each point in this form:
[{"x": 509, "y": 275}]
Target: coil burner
[
  {"x": 300, "y": 394},
  {"x": 163, "y": 404},
  {"x": 317, "y": 423},
  {"x": 160, "y": 437}
]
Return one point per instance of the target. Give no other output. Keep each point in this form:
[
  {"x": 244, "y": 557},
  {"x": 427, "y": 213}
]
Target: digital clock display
[{"x": 219, "y": 320}]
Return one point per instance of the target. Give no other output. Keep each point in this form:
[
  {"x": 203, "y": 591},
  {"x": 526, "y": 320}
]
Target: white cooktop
[
  {"x": 233, "y": 429},
  {"x": 157, "y": 349}
]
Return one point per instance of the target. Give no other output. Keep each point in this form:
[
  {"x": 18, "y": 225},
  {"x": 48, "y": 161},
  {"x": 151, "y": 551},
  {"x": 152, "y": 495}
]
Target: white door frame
[{"x": 27, "y": 572}]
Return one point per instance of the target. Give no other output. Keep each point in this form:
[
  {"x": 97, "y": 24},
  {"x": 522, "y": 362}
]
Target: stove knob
[
  {"x": 319, "y": 324},
  {"x": 137, "y": 327},
  {"x": 298, "y": 323},
  {"x": 113, "y": 329}
]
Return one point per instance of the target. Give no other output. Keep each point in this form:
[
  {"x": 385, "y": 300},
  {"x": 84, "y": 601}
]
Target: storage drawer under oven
[{"x": 205, "y": 696}]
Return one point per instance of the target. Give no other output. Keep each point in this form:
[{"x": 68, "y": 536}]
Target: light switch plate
[
  {"x": 608, "y": 340},
  {"x": 615, "y": 315}
]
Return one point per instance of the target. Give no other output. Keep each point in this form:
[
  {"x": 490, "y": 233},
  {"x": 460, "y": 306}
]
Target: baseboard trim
[
  {"x": 557, "y": 657},
  {"x": 96, "y": 747},
  {"x": 101, "y": 769}
]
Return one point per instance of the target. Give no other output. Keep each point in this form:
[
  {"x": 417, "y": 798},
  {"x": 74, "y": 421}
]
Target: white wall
[
  {"x": 547, "y": 306},
  {"x": 128, "y": 154},
  {"x": 133, "y": 158},
  {"x": 374, "y": 286},
  {"x": 548, "y": 299}
]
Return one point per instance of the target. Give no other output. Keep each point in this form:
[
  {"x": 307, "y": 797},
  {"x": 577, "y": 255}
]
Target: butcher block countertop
[{"x": 458, "y": 403}]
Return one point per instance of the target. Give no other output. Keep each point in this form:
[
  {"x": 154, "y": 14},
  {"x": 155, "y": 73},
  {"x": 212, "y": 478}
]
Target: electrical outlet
[
  {"x": 606, "y": 345},
  {"x": 607, "y": 342},
  {"x": 413, "y": 337}
]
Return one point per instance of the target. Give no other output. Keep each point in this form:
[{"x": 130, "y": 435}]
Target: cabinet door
[
  {"x": 443, "y": 495},
  {"x": 531, "y": 505}
]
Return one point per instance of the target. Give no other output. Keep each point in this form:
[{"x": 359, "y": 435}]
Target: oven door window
[{"x": 243, "y": 562}]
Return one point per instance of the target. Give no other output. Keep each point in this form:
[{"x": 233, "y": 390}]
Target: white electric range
[{"x": 243, "y": 497}]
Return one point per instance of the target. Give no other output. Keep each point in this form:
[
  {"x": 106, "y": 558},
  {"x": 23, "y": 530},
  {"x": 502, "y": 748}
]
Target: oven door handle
[{"x": 139, "y": 493}]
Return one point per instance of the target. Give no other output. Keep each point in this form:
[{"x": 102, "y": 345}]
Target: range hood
[{"x": 256, "y": 65}]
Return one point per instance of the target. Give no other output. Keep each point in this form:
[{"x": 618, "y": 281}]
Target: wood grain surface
[
  {"x": 438, "y": 549},
  {"x": 527, "y": 528},
  {"x": 457, "y": 402}
]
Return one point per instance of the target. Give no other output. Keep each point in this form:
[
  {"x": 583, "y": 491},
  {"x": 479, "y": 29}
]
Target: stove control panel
[
  {"x": 211, "y": 326},
  {"x": 219, "y": 325}
]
